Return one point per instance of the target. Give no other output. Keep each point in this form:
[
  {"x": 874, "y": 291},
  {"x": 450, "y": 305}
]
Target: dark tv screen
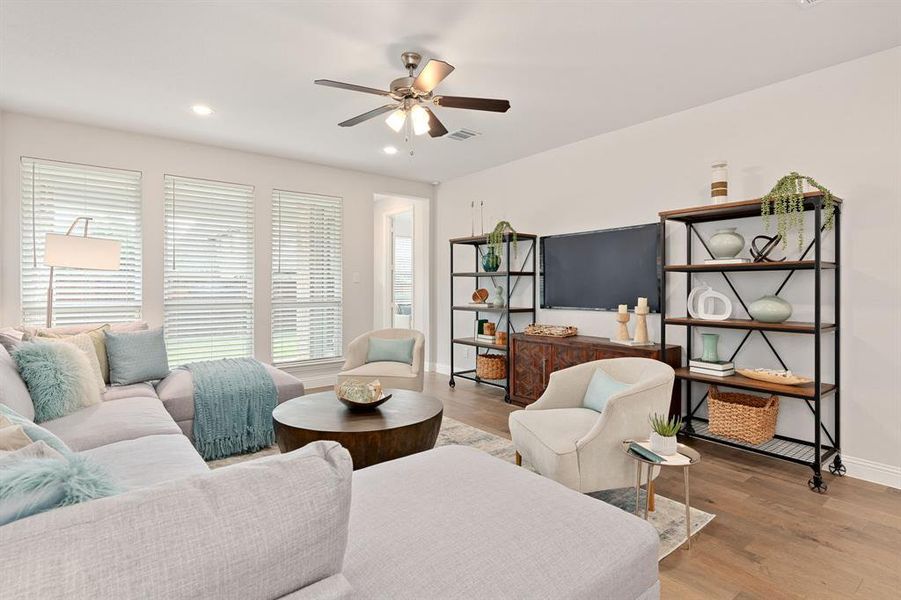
[{"x": 599, "y": 270}]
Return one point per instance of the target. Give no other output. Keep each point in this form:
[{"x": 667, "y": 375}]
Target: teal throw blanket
[{"x": 233, "y": 402}]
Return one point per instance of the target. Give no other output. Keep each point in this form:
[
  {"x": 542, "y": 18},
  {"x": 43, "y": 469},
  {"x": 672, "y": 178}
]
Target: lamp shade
[{"x": 79, "y": 252}]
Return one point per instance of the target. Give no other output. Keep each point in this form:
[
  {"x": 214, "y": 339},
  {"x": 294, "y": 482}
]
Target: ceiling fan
[{"x": 411, "y": 95}]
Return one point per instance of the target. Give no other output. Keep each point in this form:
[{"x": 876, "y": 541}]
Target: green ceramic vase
[
  {"x": 710, "y": 341},
  {"x": 491, "y": 261}
]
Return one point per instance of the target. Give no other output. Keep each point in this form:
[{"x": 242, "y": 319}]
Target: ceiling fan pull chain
[{"x": 409, "y": 138}]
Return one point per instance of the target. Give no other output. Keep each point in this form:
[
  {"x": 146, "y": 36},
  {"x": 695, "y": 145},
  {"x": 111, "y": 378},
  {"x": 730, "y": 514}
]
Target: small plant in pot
[
  {"x": 663, "y": 434},
  {"x": 495, "y": 240}
]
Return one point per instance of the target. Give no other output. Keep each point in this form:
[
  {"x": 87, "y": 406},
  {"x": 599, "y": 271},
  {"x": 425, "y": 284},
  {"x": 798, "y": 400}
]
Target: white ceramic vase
[
  {"x": 770, "y": 309},
  {"x": 662, "y": 445},
  {"x": 726, "y": 243}
]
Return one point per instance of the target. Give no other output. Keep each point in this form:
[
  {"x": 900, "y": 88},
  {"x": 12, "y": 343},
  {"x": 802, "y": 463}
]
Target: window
[
  {"x": 306, "y": 277},
  {"x": 402, "y": 281},
  {"x": 54, "y": 194},
  {"x": 208, "y": 287}
]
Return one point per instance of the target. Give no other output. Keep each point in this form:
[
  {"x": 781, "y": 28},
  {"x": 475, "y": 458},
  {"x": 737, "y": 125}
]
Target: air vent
[
  {"x": 462, "y": 134},
  {"x": 806, "y": 3}
]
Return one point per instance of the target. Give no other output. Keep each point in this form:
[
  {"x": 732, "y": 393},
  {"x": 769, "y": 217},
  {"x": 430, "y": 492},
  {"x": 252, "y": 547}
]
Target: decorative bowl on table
[{"x": 361, "y": 395}]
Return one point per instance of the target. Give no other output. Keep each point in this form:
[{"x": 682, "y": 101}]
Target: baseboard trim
[
  {"x": 441, "y": 368},
  {"x": 874, "y": 472}
]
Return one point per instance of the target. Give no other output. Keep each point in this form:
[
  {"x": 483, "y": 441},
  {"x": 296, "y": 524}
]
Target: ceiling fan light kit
[{"x": 412, "y": 95}]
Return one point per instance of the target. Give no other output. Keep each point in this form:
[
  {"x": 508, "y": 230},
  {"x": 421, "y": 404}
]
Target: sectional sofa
[{"x": 448, "y": 523}]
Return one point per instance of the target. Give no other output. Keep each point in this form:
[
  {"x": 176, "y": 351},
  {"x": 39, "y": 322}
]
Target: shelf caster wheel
[
  {"x": 817, "y": 484},
  {"x": 452, "y": 383},
  {"x": 838, "y": 469}
]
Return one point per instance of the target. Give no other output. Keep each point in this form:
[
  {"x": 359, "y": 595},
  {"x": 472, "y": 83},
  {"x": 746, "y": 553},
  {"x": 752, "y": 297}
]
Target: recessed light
[
  {"x": 389, "y": 150},
  {"x": 202, "y": 110}
]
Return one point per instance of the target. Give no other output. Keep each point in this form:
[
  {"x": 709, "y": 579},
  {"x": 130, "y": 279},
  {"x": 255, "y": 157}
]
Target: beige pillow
[
  {"x": 97, "y": 338},
  {"x": 12, "y": 437}
]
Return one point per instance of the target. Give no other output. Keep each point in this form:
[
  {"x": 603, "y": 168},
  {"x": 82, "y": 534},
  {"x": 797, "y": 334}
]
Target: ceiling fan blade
[
  {"x": 368, "y": 115},
  {"x": 436, "y": 128},
  {"x": 351, "y": 87},
  {"x": 431, "y": 75},
  {"x": 473, "y": 103}
]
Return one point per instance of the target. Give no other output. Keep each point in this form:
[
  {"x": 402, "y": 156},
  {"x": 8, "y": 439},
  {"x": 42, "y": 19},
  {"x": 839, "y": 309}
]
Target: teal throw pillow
[
  {"x": 59, "y": 378},
  {"x": 600, "y": 388},
  {"x": 385, "y": 350},
  {"x": 33, "y": 485},
  {"x": 136, "y": 356},
  {"x": 35, "y": 432}
]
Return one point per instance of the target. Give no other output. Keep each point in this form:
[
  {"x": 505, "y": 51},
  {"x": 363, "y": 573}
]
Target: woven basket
[
  {"x": 742, "y": 417},
  {"x": 491, "y": 366}
]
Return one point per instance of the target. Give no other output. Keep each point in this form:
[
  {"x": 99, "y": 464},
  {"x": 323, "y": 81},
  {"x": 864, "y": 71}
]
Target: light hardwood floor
[{"x": 771, "y": 538}]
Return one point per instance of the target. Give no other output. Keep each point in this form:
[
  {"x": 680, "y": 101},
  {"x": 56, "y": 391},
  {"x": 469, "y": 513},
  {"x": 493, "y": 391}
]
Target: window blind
[
  {"x": 306, "y": 277},
  {"x": 53, "y": 195},
  {"x": 208, "y": 273},
  {"x": 402, "y": 283}
]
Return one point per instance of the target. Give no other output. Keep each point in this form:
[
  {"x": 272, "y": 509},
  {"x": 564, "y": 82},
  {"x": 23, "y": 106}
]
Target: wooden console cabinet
[{"x": 534, "y": 358}]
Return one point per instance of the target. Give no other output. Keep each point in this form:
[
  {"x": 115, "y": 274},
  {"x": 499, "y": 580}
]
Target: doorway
[{"x": 401, "y": 263}]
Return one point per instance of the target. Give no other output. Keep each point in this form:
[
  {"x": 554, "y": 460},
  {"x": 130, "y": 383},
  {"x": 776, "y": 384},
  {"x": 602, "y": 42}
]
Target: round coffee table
[{"x": 405, "y": 424}]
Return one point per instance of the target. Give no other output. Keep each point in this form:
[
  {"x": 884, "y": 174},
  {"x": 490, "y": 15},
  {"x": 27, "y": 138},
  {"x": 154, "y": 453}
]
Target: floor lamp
[{"x": 77, "y": 252}]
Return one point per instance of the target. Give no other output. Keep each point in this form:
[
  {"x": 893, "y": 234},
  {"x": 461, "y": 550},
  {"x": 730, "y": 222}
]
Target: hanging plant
[
  {"x": 496, "y": 238},
  {"x": 786, "y": 201}
]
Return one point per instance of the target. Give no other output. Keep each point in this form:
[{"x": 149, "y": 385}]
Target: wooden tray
[{"x": 773, "y": 378}]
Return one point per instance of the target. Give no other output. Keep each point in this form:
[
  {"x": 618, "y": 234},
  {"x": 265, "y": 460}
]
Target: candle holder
[
  {"x": 641, "y": 325},
  {"x": 622, "y": 334}
]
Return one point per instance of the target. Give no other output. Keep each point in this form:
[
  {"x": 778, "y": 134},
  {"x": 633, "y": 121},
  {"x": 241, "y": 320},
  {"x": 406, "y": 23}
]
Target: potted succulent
[
  {"x": 663, "y": 434},
  {"x": 786, "y": 201},
  {"x": 495, "y": 240}
]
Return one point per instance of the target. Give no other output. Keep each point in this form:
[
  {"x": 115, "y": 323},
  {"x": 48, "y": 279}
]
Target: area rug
[{"x": 668, "y": 518}]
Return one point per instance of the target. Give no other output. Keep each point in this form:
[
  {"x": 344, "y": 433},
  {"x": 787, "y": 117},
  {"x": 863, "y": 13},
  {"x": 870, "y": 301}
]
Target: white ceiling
[{"x": 571, "y": 70}]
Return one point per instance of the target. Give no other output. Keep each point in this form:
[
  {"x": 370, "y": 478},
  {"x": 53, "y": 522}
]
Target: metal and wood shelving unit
[
  {"x": 519, "y": 271},
  {"x": 826, "y": 444}
]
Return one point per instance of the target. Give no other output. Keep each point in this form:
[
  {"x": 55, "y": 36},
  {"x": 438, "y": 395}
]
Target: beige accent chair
[
  {"x": 392, "y": 375},
  {"x": 579, "y": 447}
]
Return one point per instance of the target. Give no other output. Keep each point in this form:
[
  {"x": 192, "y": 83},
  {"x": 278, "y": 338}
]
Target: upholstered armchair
[
  {"x": 392, "y": 375},
  {"x": 582, "y": 448}
]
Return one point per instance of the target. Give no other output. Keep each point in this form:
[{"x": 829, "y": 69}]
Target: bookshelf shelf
[{"x": 748, "y": 324}]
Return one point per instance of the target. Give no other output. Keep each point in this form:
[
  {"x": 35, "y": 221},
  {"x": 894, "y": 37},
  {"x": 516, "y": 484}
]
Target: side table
[{"x": 684, "y": 458}]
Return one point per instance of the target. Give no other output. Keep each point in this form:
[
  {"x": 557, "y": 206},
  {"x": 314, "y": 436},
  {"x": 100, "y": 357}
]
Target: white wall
[
  {"x": 841, "y": 125},
  {"x": 57, "y": 140}
]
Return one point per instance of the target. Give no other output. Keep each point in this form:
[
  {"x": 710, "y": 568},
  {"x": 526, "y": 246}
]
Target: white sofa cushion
[
  {"x": 547, "y": 439},
  {"x": 112, "y": 421},
  {"x": 135, "y": 390},
  {"x": 381, "y": 368},
  {"x": 259, "y": 529},
  {"x": 455, "y": 522},
  {"x": 148, "y": 460}
]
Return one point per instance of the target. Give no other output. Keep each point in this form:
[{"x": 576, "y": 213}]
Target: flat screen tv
[{"x": 599, "y": 270}]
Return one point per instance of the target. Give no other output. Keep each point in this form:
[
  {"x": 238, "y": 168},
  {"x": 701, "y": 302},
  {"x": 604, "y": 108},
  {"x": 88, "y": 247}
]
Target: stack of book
[
  {"x": 485, "y": 338},
  {"x": 727, "y": 261},
  {"x": 719, "y": 368}
]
